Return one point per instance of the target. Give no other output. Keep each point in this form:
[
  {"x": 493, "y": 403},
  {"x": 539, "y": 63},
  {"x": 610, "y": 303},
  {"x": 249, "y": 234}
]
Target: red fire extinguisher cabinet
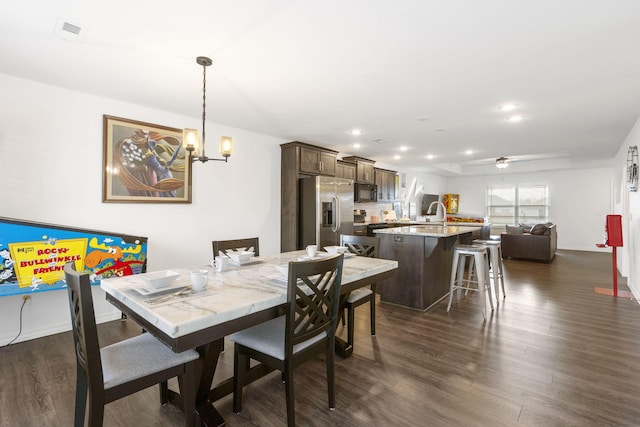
[
  {"x": 614, "y": 230},
  {"x": 614, "y": 240}
]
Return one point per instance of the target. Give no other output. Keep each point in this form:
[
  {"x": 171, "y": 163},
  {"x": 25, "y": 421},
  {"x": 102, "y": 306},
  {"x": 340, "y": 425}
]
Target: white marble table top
[
  {"x": 237, "y": 292},
  {"x": 429, "y": 230}
]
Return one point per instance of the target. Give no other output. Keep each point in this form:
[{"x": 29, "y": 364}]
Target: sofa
[{"x": 537, "y": 243}]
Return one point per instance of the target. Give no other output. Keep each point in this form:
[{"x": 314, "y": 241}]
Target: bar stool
[
  {"x": 478, "y": 266},
  {"x": 497, "y": 269}
]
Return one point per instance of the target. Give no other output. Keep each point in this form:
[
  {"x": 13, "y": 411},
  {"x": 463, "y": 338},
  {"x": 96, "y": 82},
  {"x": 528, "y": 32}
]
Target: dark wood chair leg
[
  {"x": 239, "y": 363},
  {"x": 351, "y": 326},
  {"x": 81, "y": 397},
  {"x": 291, "y": 410},
  {"x": 96, "y": 412},
  {"x": 331, "y": 374},
  {"x": 373, "y": 314}
]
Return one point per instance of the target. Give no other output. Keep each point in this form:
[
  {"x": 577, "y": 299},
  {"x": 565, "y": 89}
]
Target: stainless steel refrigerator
[{"x": 326, "y": 210}]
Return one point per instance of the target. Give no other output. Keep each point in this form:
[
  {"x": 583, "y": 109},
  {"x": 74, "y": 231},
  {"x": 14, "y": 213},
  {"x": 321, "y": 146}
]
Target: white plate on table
[
  {"x": 336, "y": 249},
  {"x": 324, "y": 255},
  {"x": 240, "y": 263},
  {"x": 319, "y": 255},
  {"x": 148, "y": 290},
  {"x": 284, "y": 281}
]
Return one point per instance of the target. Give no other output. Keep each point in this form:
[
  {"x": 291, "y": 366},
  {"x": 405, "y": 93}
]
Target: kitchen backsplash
[{"x": 373, "y": 209}]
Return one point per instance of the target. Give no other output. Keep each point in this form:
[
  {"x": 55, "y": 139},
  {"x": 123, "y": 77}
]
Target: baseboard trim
[{"x": 53, "y": 329}]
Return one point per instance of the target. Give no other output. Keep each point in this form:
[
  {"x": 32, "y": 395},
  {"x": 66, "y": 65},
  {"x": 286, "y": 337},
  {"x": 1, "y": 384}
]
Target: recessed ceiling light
[
  {"x": 356, "y": 132},
  {"x": 468, "y": 152},
  {"x": 356, "y": 145},
  {"x": 508, "y": 107},
  {"x": 515, "y": 119},
  {"x": 404, "y": 148},
  {"x": 430, "y": 156},
  {"x": 396, "y": 157}
]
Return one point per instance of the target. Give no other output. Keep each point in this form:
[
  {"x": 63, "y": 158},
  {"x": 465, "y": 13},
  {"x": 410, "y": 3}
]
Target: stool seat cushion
[
  {"x": 470, "y": 248},
  {"x": 488, "y": 242}
]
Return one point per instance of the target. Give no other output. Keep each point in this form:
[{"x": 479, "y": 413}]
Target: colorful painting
[
  {"x": 33, "y": 255},
  {"x": 451, "y": 202},
  {"x": 144, "y": 163}
]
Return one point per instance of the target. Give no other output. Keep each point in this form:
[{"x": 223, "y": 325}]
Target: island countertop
[{"x": 429, "y": 230}]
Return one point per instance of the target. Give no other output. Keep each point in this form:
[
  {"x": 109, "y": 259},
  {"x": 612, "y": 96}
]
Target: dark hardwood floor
[{"x": 554, "y": 353}]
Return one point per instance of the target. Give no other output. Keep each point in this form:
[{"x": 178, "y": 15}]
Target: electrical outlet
[{"x": 26, "y": 297}]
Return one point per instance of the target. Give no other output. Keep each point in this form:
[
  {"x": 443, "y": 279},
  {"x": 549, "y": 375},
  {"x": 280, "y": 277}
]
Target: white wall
[
  {"x": 51, "y": 151},
  {"x": 628, "y": 205},
  {"x": 432, "y": 184},
  {"x": 580, "y": 200}
]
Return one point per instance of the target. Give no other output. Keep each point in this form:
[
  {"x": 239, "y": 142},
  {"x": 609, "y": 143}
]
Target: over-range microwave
[{"x": 364, "y": 193}]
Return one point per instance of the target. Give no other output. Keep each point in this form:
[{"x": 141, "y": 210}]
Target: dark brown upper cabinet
[
  {"x": 364, "y": 169},
  {"x": 386, "y": 183}
]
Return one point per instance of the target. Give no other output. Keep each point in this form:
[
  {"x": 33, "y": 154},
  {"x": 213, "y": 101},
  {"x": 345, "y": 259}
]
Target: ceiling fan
[{"x": 503, "y": 162}]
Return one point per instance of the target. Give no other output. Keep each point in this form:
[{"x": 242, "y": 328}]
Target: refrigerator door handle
[{"x": 336, "y": 217}]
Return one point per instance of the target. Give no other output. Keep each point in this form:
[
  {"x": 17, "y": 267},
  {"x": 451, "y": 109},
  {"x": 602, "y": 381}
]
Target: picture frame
[
  {"x": 144, "y": 163},
  {"x": 451, "y": 202}
]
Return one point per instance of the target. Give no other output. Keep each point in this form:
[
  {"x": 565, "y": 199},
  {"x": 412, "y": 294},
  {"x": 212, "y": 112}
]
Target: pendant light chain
[{"x": 204, "y": 105}]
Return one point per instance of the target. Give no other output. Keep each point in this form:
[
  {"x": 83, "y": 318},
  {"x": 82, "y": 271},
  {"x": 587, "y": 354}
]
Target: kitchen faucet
[{"x": 444, "y": 212}]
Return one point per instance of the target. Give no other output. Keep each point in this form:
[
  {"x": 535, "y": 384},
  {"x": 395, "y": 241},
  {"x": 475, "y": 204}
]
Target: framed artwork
[
  {"x": 144, "y": 163},
  {"x": 451, "y": 202},
  {"x": 33, "y": 255}
]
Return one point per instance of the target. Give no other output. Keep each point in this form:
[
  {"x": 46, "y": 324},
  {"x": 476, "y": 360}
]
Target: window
[{"x": 517, "y": 204}]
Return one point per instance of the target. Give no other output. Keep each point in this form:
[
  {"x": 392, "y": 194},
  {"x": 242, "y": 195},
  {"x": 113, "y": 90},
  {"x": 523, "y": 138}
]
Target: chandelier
[{"x": 194, "y": 146}]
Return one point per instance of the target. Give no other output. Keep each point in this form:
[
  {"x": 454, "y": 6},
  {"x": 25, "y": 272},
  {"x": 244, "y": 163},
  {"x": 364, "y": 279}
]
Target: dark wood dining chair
[
  {"x": 306, "y": 330},
  {"x": 232, "y": 245},
  {"x": 361, "y": 246},
  {"x": 126, "y": 367}
]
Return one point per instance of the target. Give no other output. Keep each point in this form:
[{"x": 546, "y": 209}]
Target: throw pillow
[
  {"x": 513, "y": 230},
  {"x": 539, "y": 229},
  {"x": 526, "y": 228}
]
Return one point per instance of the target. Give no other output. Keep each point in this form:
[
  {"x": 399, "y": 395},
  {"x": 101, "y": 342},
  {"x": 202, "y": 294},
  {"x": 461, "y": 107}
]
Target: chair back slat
[
  {"x": 313, "y": 293},
  {"x": 226, "y": 246},
  {"x": 361, "y": 245},
  {"x": 83, "y": 321}
]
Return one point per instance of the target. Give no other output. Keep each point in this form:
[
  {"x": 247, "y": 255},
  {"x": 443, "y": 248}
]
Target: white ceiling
[{"x": 313, "y": 70}]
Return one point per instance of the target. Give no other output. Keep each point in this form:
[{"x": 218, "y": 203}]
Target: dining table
[{"x": 242, "y": 296}]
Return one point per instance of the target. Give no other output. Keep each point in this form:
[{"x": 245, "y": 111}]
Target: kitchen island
[
  {"x": 482, "y": 230},
  {"x": 424, "y": 254}
]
